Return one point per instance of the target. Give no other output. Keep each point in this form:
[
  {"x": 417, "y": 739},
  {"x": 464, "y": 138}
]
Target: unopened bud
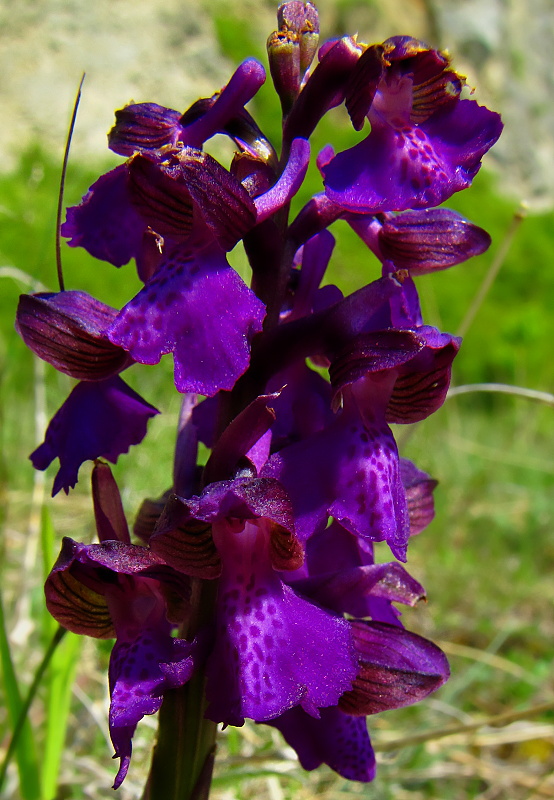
[{"x": 292, "y": 48}]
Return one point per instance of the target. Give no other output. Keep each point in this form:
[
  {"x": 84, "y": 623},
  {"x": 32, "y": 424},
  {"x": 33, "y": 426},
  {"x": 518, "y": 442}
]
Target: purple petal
[
  {"x": 349, "y": 471},
  {"x": 185, "y": 310},
  {"x": 419, "y": 495},
  {"x": 314, "y": 217},
  {"x": 73, "y": 603},
  {"x": 397, "y": 668},
  {"x": 275, "y": 646},
  {"x": 84, "y": 576},
  {"x": 430, "y": 240},
  {"x": 143, "y": 126},
  {"x": 141, "y": 669},
  {"x": 363, "y": 84},
  {"x": 314, "y": 256},
  {"x": 419, "y": 82},
  {"x": 350, "y": 591},
  {"x": 335, "y": 550},
  {"x": 288, "y": 184},
  {"x": 190, "y": 182},
  {"x": 324, "y": 89},
  {"x": 239, "y": 437},
  {"x": 336, "y": 739},
  {"x": 106, "y": 223},
  {"x": 243, "y": 499},
  {"x": 182, "y": 541},
  {"x": 423, "y": 382},
  {"x": 413, "y": 167},
  {"x": 242, "y": 87},
  {"x": 303, "y": 407},
  {"x": 100, "y": 419},
  {"x": 111, "y": 523},
  {"x": 66, "y": 330}
]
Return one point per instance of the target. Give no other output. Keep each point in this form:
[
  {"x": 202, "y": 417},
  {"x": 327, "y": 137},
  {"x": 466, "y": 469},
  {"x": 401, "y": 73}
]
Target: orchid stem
[{"x": 183, "y": 758}]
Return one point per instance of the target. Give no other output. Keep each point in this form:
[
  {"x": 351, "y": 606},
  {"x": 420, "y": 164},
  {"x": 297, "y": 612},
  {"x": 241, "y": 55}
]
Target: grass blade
[
  {"x": 22, "y": 743},
  {"x": 59, "y": 688}
]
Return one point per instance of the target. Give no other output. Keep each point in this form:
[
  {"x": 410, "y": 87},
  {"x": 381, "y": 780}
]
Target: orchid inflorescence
[{"x": 257, "y": 572}]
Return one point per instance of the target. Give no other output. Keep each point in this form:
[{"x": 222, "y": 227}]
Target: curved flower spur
[{"x": 255, "y": 593}]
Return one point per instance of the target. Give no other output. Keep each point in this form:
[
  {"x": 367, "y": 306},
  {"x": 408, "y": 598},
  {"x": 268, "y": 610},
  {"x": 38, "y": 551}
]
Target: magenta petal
[
  {"x": 350, "y": 591},
  {"x": 336, "y": 739},
  {"x": 143, "y": 126},
  {"x": 199, "y": 309},
  {"x": 105, "y": 223},
  {"x": 98, "y": 419},
  {"x": 66, "y": 329},
  {"x": 430, "y": 239},
  {"x": 243, "y": 85},
  {"x": 419, "y": 495}
]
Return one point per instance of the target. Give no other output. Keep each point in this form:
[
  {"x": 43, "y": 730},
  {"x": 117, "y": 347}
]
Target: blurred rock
[
  {"x": 129, "y": 49},
  {"x": 168, "y": 53}
]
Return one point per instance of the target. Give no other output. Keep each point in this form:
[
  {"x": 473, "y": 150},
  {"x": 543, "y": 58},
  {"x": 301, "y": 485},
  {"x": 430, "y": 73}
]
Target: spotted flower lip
[
  {"x": 274, "y": 644},
  {"x": 335, "y": 738},
  {"x": 424, "y": 144},
  {"x": 412, "y": 167},
  {"x": 349, "y": 471},
  {"x": 183, "y": 309}
]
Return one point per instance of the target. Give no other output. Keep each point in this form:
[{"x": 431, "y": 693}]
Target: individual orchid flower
[
  {"x": 397, "y": 372},
  {"x": 103, "y": 416},
  {"x": 198, "y": 211},
  {"x": 271, "y": 647},
  {"x": 425, "y": 142},
  {"x": 339, "y": 573},
  {"x": 119, "y": 589}
]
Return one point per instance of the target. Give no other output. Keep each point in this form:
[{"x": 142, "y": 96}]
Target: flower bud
[{"x": 292, "y": 48}]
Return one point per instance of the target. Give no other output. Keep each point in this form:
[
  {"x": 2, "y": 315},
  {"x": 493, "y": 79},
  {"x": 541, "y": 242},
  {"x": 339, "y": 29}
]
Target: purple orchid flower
[
  {"x": 103, "y": 416},
  {"x": 119, "y": 589},
  {"x": 339, "y": 573},
  {"x": 196, "y": 211},
  {"x": 350, "y": 469},
  {"x": 425, "y": 143},
  {"x": 273, "y": 645}
]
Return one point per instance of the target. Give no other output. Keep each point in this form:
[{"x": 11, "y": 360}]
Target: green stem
[{"x": 183, "y": 758}]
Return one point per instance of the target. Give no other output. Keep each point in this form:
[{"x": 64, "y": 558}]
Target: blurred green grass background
[{"x": 486, "y": 560}]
